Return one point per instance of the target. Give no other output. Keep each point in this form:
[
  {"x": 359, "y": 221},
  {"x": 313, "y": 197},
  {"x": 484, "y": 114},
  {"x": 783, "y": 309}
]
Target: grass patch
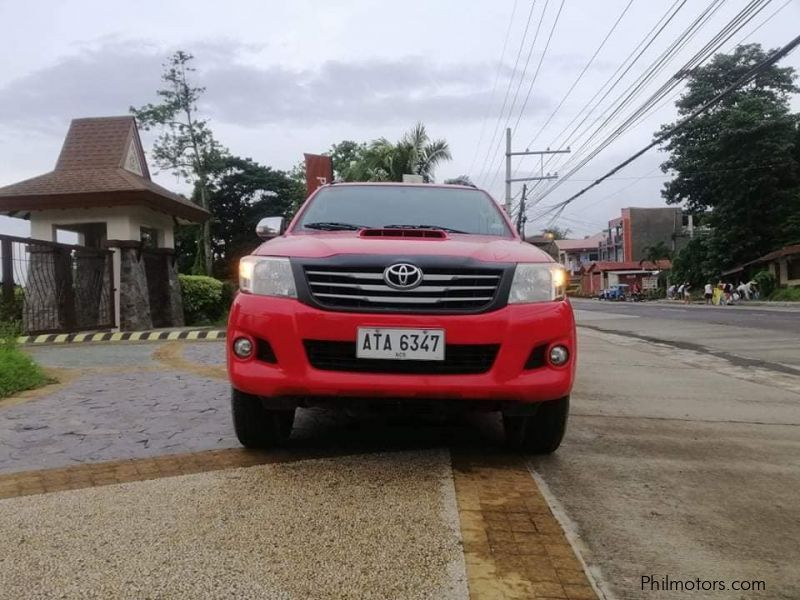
[
  {"x": 788, "y": 294},
  {"x": 18, "y": 371}
]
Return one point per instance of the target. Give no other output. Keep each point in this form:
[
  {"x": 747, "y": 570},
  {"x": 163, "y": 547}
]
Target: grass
[
  {"x": 18, "y": 371},
  {"x": 786, "y": 295}
]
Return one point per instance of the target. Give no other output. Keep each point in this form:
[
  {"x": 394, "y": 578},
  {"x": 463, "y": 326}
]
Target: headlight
[
  {"x": 537, "y": 283},
  {"x": 266, "y": 276}
]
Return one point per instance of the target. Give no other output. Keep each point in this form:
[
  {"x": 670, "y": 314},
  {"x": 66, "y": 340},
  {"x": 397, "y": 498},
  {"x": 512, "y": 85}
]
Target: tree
[
  {"x": 738, "y": 160},
  {"x": 381, "y": 160},
  {"x": 185, "y": 145},
  {"x": 242, "y": 192},
  {"x": 655, "y": 253},
  {"x": 460, "y": 180},
  {"x": 556, "y": 233}
]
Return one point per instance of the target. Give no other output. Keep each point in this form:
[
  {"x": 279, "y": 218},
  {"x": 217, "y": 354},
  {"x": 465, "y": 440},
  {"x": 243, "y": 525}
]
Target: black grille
[
  {"x": 443, "y": 289},
  {"x": 460, "y": 359}
]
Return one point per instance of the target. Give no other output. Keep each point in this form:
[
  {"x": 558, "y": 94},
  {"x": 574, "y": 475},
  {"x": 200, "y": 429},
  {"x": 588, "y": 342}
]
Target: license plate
[{"x": 400, "y": 344}]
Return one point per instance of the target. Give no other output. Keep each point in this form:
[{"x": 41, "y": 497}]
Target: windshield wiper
[
  {"x": 332, "y": 226},
  {"x": 448, "y": 229}
]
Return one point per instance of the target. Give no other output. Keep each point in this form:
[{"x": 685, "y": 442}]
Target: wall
[{"x": 649, "y": 226}]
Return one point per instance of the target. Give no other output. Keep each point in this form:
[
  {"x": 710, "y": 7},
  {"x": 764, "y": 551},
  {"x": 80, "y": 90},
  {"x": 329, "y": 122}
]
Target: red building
[{"x": 602, "y": 275}]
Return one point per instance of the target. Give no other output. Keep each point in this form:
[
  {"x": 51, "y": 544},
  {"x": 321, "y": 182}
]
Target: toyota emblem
[{"x": 402, "y": 276}]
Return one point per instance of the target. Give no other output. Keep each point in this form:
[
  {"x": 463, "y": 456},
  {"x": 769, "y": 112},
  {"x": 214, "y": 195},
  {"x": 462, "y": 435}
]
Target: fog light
[
  {"x": 559, "y": 355},
  {"x": 242, "y": 347}
]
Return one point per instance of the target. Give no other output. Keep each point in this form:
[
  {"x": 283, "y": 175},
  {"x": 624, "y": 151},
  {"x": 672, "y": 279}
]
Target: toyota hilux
[{"x": 410, "y": 296}]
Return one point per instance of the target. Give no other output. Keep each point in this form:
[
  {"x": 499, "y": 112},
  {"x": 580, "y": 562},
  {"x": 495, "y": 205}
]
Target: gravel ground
[{"x": 370, "y": 526}]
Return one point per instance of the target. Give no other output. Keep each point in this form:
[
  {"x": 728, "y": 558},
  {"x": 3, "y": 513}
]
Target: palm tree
[
  {"x": 415, "y": 154},
  {"x": 424, "y": 154},
  {"x": 655, "y": 253}
]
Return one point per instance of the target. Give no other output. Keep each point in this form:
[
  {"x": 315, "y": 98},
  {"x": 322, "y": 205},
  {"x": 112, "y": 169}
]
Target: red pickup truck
[{"x": 410, "y": 296}]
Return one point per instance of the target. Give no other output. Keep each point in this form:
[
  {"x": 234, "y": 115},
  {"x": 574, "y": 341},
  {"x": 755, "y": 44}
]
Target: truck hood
[{"x": 478, "y": 247}]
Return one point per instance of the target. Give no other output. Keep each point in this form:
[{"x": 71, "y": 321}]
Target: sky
[{"x": 284, "y": 78}]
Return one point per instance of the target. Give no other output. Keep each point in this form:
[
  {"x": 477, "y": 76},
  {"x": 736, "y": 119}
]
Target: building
[
  {"x": 602, "y": 275},
  {"x": 544, "y": 242},
  {"x": 783, "y": 263},
  {"x": 574, "y": 254},
  {"x": 629, "y": 235},
  {"x": 101, "y": 190}
]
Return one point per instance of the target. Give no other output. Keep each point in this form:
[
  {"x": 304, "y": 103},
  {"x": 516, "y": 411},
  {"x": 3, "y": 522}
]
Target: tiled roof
[
  {"x": 90, "y": 172},
  {"x": 785, "y": 251}
]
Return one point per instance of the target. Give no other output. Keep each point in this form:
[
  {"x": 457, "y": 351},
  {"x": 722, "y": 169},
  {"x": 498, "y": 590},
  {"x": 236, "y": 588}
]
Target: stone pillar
[
  {"x": 90, "y": 284},
  {"x": 134, "y": 300}
]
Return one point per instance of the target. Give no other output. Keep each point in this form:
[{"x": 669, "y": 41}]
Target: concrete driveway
[{"x": 678, "y": 464}]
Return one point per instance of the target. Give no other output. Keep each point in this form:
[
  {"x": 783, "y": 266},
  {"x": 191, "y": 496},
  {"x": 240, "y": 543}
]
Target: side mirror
[{"x": 269, "y": 227}]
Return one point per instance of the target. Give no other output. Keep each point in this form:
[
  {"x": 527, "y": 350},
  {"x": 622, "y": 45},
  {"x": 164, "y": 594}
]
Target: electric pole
[
  {"x": 521, "y": 218},
  {"x": 541, "y": 177}
]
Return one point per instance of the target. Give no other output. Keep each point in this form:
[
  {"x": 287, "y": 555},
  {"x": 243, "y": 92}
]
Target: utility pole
[
  {"x": 541, "y": 177},
  {"x": 521, "y": 218}
]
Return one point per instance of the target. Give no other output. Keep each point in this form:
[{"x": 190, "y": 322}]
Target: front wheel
[
  {"x": 540, "y": 433},
  {"x": 258, "y": 427}
]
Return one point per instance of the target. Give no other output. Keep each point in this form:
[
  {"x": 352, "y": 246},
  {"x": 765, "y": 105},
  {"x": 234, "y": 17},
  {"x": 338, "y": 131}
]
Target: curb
[{"x": 127, "y": 336}]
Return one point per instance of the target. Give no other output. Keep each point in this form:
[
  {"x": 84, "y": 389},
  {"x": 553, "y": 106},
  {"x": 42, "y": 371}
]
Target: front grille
[
  {"x": 443, "y": 289},
  {"x": 459, "y": 359}
]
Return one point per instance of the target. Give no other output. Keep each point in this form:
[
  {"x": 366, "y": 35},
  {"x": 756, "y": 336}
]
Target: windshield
[{"x": 353, "y": 207}]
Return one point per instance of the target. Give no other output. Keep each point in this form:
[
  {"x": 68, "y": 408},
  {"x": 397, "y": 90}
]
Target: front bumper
[{"x": 518, "y": 329}]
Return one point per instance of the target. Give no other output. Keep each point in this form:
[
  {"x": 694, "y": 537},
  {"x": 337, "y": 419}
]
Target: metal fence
[{"x": 50, "y": 287}]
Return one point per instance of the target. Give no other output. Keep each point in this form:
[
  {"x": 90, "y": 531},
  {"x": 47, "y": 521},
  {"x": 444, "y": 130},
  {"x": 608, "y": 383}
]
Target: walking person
[
  {"x": 709, "y": 292},
  {"x": 728, "y": 291},
  {"x": 687, "y": 296}
]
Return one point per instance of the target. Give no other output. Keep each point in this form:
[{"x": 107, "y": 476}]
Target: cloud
[{"x": 106, "y": 76}]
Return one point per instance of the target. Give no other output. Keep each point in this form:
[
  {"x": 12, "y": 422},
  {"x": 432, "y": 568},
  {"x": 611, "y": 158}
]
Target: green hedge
[
  {"x": 788, "y": 294},
  {"x": 205, "y": 300},
  {"x": 766, "y": 283}
]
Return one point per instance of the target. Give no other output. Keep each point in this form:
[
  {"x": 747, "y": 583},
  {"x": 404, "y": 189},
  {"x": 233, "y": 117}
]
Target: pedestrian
[
  {"x": 680, "y": 292},
  {"x": 717, "y": 300},
  {"x": 744, "y": 291},
  {"x": 754, "y": 291},
  {"x": 709, "y": 292},
  {"x": 671, "y": 291},
  {"x": 728, "y": 291},
  {"x": 687, "y": 296}
]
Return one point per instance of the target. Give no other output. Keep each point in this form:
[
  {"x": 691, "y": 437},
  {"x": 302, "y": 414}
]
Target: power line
[
  {"x": 636, "y": 180},
  {"x": 741, "y": 19},
  {"x": 516, "y": 91},
  {"x": 581, "y": 74},
  {"x": 536, "y": 73},
  {"x": 508, "y": 88},
  {"x": 494, "y": 85},
  {"x": 744, "y": 79}
]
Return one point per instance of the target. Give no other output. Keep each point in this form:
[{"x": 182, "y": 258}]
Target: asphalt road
[
  {"x": 762, "y": 337},
  {"x": 786, "y": 320},
  {"x": 679, "y": 464}
]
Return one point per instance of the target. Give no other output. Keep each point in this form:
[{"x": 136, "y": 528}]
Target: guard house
[{"x": 101, "y": 190}]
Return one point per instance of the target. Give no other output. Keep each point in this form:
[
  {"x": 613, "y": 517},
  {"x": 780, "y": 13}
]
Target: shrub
[
  {"x": 766, "y": 283},
  {"x": 18, "y": 372},
  {"x": 204, "y": 299},
  {"x": 786, "y": 294},
  {"x": 12, "y": 311}
]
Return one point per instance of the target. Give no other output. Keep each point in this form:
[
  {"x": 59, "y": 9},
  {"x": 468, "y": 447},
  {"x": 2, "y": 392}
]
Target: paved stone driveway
[{"x": 124, "y": 403}]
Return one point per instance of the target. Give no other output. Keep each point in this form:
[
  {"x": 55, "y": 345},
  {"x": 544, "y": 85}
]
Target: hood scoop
[{"x": 428, "y": 234}]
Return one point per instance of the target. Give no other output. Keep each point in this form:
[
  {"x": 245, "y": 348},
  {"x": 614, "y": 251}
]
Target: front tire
[
  {"x": 258, "y": 427},
  {"x": 540, "y": 433}
]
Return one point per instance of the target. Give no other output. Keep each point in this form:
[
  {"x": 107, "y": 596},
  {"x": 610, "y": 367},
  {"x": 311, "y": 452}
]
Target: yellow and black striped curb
[{"x": 126, "y": 336}]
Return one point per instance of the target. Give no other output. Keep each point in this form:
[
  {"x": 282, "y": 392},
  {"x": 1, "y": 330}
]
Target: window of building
[{"x": 149, "y": 237}]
